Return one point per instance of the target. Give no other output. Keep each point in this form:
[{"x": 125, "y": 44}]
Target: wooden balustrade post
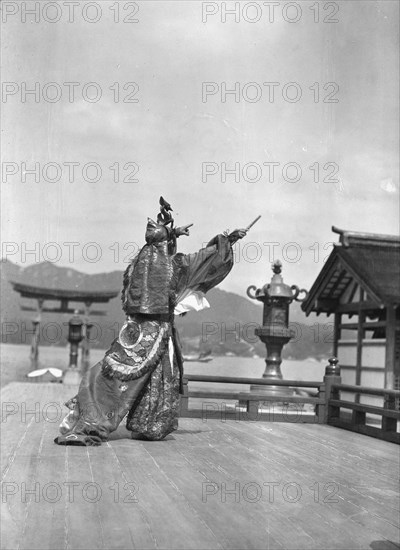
[
  {"x": 358, "y": 418},
  {"x": 252, "y": 409},
  {"x": 184, "y": 398},
  {"x": 389, "y": 424},
  {"x": 332, "y": 376},
  {"x": 321, "y": 407}
]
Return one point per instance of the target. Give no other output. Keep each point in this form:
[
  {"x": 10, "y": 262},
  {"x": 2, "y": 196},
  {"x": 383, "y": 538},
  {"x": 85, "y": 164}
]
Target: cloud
[{"x": 388, "y": 185}]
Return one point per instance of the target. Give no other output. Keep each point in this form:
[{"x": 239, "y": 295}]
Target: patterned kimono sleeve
[{"x": 206, "y": 268}]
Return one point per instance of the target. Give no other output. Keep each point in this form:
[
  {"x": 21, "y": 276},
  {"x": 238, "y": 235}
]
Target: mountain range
[{"x": 226, "y": 328}]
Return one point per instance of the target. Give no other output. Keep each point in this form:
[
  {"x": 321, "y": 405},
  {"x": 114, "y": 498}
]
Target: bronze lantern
[{"x": 275, "y": 332}]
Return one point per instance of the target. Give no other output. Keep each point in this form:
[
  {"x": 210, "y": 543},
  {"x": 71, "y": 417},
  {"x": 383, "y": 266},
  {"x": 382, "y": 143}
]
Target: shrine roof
[{"x": 370, "y": 260}]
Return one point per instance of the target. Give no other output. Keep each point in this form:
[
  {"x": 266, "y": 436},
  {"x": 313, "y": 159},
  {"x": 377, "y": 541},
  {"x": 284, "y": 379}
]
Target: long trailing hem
[
  {"x": 156, "y": 414},
  {"x": 143, "y": 380}
]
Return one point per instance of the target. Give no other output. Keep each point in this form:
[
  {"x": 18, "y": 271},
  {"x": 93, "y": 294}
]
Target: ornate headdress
[{"x": 163, "y": 229}]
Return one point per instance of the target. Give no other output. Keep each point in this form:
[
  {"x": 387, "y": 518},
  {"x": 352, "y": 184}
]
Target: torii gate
[{"x": 41, "y": 294}]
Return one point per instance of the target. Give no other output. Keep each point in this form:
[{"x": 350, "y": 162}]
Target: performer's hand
[
  {"x": 184, "y": 230},
  {"x": 236, "y": 235}
]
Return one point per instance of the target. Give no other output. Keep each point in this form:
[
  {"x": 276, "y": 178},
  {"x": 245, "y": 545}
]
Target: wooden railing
[
  {"x": 269, "y": 405},
  {"x": 389, "y": 413},
  {"x": 252, "y": 405}
]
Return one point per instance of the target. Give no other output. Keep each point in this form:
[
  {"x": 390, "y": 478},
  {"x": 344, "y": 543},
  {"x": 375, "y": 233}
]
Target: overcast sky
[{"x": 179, "y": 140}]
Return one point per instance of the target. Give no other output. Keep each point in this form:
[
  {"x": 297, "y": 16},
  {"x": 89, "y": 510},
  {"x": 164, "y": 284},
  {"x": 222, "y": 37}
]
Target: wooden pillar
[
  {"x": 360, "y": 336},
  {"x": 34, "y": 354},
  {"x": 336, "y": 333},
  {"x": 390, "y": 347}
]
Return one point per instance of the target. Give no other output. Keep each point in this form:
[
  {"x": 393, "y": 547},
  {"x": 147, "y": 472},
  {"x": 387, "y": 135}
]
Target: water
[
  {"x": 309, "y": 369},
  {"x": 15, "y": 364}
]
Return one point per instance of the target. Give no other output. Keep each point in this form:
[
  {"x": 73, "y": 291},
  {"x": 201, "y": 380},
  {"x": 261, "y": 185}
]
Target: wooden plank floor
[{"x": 211, "y": 485}]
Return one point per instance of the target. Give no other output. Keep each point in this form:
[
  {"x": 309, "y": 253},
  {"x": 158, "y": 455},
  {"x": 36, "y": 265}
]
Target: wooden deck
[{"x": 212, "y": 484}]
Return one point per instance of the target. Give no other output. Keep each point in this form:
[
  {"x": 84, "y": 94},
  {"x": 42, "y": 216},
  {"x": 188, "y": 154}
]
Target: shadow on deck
[{"x": 211, "y": 484}]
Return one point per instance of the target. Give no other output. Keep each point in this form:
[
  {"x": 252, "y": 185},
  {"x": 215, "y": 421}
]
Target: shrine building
[{"x": 360, "y": 286}]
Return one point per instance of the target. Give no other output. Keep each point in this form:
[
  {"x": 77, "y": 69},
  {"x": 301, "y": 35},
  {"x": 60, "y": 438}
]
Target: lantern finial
[{"x": 277, "y": 267}]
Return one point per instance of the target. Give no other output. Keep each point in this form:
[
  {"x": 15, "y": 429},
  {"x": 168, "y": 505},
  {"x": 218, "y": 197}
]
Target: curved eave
[
  {"x": 309, "y": 304},
  {"x": 335, "y": 258}
]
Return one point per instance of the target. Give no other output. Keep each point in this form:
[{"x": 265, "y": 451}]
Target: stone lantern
[
  {"x": 85, "y": 361},
  {"x": 275, "y": 332},
  {"x": 75, "y": 336}
]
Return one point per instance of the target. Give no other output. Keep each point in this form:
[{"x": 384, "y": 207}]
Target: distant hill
[{"x": 227, "y": 327}]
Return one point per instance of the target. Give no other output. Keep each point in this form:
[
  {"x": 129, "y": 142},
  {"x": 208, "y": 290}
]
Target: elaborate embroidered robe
[{"x": 140, "y": 375}]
